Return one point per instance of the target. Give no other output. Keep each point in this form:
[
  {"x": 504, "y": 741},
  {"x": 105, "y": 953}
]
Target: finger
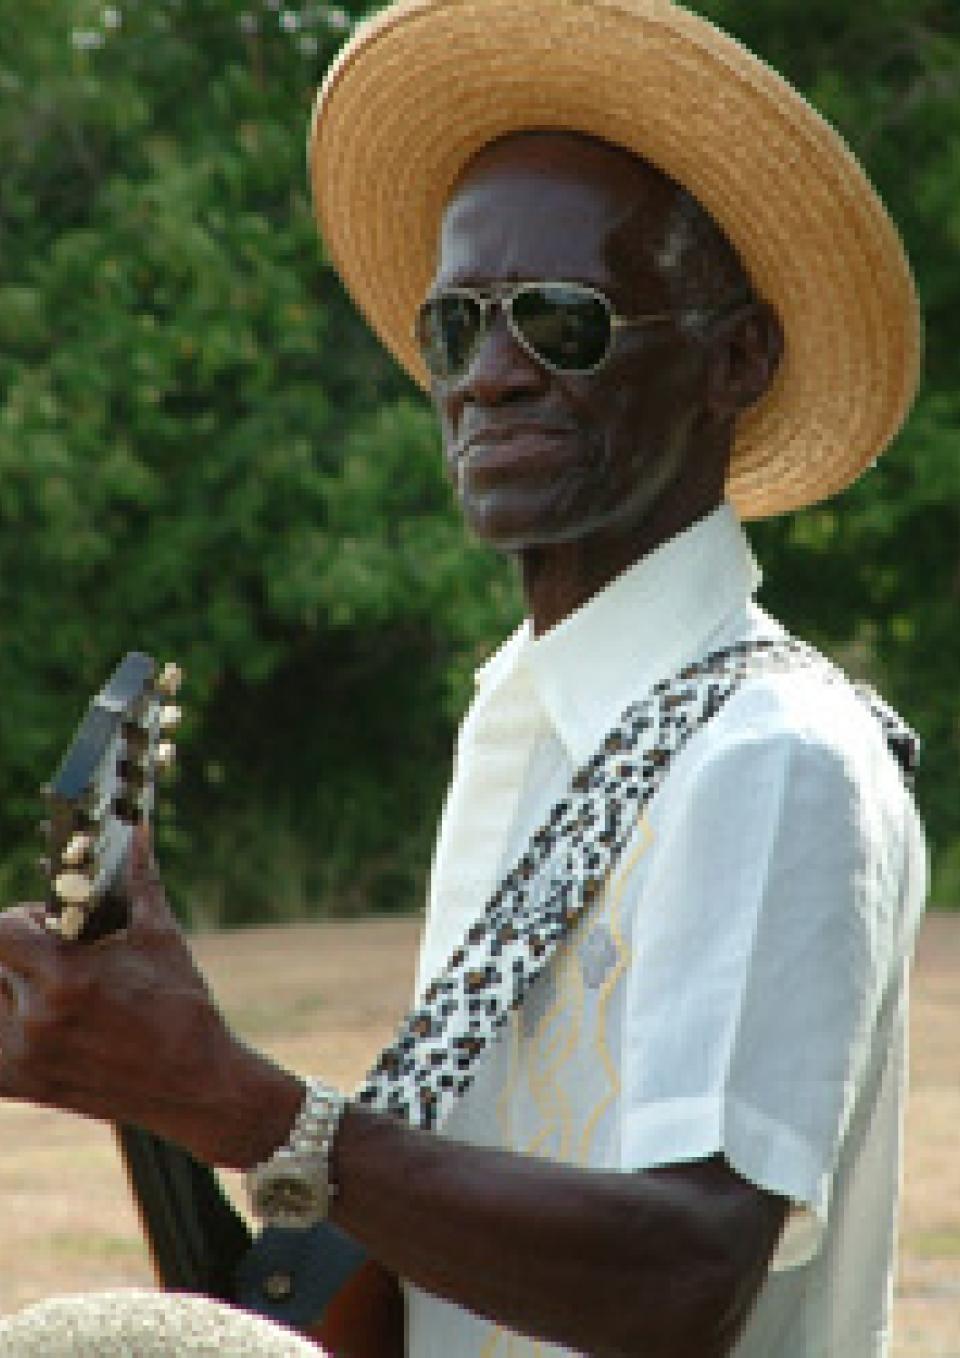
[
  {"x": 144, "y": 889},
  {"x": 18, "y": 1081},
  {"x": 141, "y": 865},
  {"x": 26, "y": 945},
  {"x": 8, "y": 994},
  {"x": 141, "y": 875},
  {"x": 14, "y": 1005},
  {"x": 16, "y": 991}
]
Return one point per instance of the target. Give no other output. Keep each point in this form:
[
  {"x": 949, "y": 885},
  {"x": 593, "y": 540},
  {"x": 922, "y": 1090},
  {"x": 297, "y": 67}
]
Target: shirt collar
[{"x": 644, "y": 625}]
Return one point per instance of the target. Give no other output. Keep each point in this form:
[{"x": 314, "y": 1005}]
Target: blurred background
[{"x": 204, "y": 453}]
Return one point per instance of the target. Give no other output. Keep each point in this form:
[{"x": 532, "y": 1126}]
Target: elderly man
[{"x": 649, "y": 291}]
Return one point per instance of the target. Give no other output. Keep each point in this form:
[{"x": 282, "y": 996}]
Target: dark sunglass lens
[
  {"x": 568, "y": 328},
  {"x": 448, "y": 328}
]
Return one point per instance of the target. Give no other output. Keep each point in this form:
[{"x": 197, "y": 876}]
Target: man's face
[{"x": 538, "y": 457}]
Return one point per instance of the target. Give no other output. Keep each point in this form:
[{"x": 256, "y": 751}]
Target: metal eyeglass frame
[{"x": 504, "y": 298}]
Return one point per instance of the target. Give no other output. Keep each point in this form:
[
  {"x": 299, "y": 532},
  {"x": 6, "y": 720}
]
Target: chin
[
  {"x": 517, "y": 523},
  {"x": 513, "y": 537}
]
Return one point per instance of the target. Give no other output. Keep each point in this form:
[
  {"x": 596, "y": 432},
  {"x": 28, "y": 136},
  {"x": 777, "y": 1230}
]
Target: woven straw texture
[
  {"x": 423, "y": 85},
  {"x": 137, "y": 1324}
]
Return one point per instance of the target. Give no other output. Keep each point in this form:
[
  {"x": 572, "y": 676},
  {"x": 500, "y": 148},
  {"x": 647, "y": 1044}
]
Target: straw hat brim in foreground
[
  {"x": 421, "y": 87},
  {"x": 145, "y": 1324}
]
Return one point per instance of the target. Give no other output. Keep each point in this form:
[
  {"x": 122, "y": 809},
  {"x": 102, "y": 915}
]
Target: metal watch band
[{"x": 294, "y": 1187}]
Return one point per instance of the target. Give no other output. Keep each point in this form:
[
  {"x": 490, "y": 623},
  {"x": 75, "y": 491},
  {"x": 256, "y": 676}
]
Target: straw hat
[
  {"x": 147, "y": 1325},
  {"x": 426, "y": 83}
]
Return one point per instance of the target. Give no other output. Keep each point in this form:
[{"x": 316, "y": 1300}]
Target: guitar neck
[
  {"x": 195, "y": 1237},
  {"x": 103, "y": 789}
]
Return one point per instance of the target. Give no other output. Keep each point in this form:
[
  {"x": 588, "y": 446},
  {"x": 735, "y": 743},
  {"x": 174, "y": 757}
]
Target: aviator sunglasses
[{"x": 569, "y": 328}]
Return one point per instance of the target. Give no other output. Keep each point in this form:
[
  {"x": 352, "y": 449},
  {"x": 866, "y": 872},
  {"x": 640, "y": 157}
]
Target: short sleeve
[{"x": 765, "y": 937}]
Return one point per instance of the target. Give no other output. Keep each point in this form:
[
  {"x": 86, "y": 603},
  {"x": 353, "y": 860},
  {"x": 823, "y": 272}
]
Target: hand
[{"x": 125, "y": 1030}]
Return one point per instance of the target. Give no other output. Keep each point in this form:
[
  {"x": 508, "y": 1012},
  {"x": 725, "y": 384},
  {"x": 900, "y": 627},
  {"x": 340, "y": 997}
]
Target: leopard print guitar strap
[{"x": 433, "y": 1058}]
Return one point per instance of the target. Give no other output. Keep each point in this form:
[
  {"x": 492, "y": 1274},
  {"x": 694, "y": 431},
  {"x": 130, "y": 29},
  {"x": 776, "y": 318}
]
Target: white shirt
[{"x": 741, "y": 986}]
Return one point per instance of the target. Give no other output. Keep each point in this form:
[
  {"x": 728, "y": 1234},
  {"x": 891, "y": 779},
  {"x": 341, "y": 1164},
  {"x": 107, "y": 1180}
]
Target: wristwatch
[{"x": 294, "y": 1187}]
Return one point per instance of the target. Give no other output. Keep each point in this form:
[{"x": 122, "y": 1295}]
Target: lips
[{"x": 490, "y": 452}]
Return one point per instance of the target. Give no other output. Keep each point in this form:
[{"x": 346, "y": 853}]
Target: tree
[
  {"x": 874, "y": 576},
  {"x": 204, "y": 453}
]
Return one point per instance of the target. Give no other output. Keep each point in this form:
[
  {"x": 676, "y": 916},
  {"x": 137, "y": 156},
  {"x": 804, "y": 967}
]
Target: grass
[{"x": 326, "y": 997}]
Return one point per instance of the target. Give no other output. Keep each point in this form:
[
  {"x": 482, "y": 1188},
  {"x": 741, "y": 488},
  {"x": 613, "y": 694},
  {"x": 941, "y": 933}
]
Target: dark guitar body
[
  {"x": 196, "y": 1239},
  {"x": 316, "y": 1281}
]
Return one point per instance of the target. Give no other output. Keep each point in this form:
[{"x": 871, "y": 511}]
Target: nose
[{"x": 500, "y": 370}]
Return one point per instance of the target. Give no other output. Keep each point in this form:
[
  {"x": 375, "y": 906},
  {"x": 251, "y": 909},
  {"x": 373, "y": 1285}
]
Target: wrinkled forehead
[
  {"x": 553, "y": 154},
  {"x": 561, "y": 204}
]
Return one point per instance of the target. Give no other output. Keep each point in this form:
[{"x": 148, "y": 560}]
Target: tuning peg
[
  {"x": 43, "y": 865},
  {"x": 168, "y": 719},
  {"x": 135, "y": 732},
  {"x": 73, "y": 889},
  {"x": 68, "y": 924},
  {"x": 165, "y": 756},
  {"x": 169, "y": 680},
  {"x": 77, "y": 850},
  {"x": 43, "y": 828},
  {"x": 127, "y": 810},
  {"x": 132, "y": 770},
  {"x": 88, "y": 820}
]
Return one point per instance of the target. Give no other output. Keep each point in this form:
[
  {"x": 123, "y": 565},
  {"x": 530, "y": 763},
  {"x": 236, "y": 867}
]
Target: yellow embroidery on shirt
[
  {"x": 547, "y": 1062},
  {"x": 601, "y": 1046},
  {"x": 545, "y": 1058},
  {"x": 539, "y": 1087},
  {"x": 505, "y": 1099},
  {"x": 532, "y": 1060},
  {"x": 491, "y": 1343},
  {"x": 515, "y": 1346}
]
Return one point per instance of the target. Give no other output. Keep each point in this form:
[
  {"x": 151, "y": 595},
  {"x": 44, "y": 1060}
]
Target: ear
[{"x": 745, "y": 351}]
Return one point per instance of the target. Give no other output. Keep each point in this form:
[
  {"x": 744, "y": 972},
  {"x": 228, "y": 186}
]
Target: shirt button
[{"x": 278, "y": 1287}]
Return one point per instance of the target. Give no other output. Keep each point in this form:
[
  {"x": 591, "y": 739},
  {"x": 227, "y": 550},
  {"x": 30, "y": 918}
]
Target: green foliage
[
  {"x": 204, "y": 453},
  {"x": 874, "y": 576}
]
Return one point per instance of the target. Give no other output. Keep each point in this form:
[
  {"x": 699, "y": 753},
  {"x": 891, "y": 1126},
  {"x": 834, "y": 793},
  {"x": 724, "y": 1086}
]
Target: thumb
[{"x": 141, "y": 874}]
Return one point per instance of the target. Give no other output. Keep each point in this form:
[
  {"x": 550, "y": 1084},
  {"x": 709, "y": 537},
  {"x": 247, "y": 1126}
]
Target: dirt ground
[{"x": 68, "y": 1224}]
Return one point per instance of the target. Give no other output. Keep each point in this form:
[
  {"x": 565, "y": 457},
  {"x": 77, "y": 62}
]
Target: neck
[{"x": 558, "y": 578}]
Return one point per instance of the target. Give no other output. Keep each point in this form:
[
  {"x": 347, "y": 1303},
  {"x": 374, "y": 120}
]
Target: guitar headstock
[{"x": 104, "y": 787}]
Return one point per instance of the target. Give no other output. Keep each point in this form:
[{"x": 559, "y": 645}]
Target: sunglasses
[{"x": 567, "y": 327}]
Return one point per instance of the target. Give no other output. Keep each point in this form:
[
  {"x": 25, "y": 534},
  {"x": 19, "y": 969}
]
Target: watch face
[
  {"x": 293, "y": 1188},
  {"x": 292, "y": 1197},
  {"x": 293, "y": 1194}
]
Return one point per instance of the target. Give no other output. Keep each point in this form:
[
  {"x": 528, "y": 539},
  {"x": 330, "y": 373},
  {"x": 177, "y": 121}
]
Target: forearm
[
  {"x": 606, "y": 1262},
  {"x": 609, "y": 1263},
  {"x": 259, "y": 1101}
]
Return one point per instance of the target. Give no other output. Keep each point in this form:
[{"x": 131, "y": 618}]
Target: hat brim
[
  {"x": 133, "y": 1321},
  {"x": 423, "y": 85}
]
